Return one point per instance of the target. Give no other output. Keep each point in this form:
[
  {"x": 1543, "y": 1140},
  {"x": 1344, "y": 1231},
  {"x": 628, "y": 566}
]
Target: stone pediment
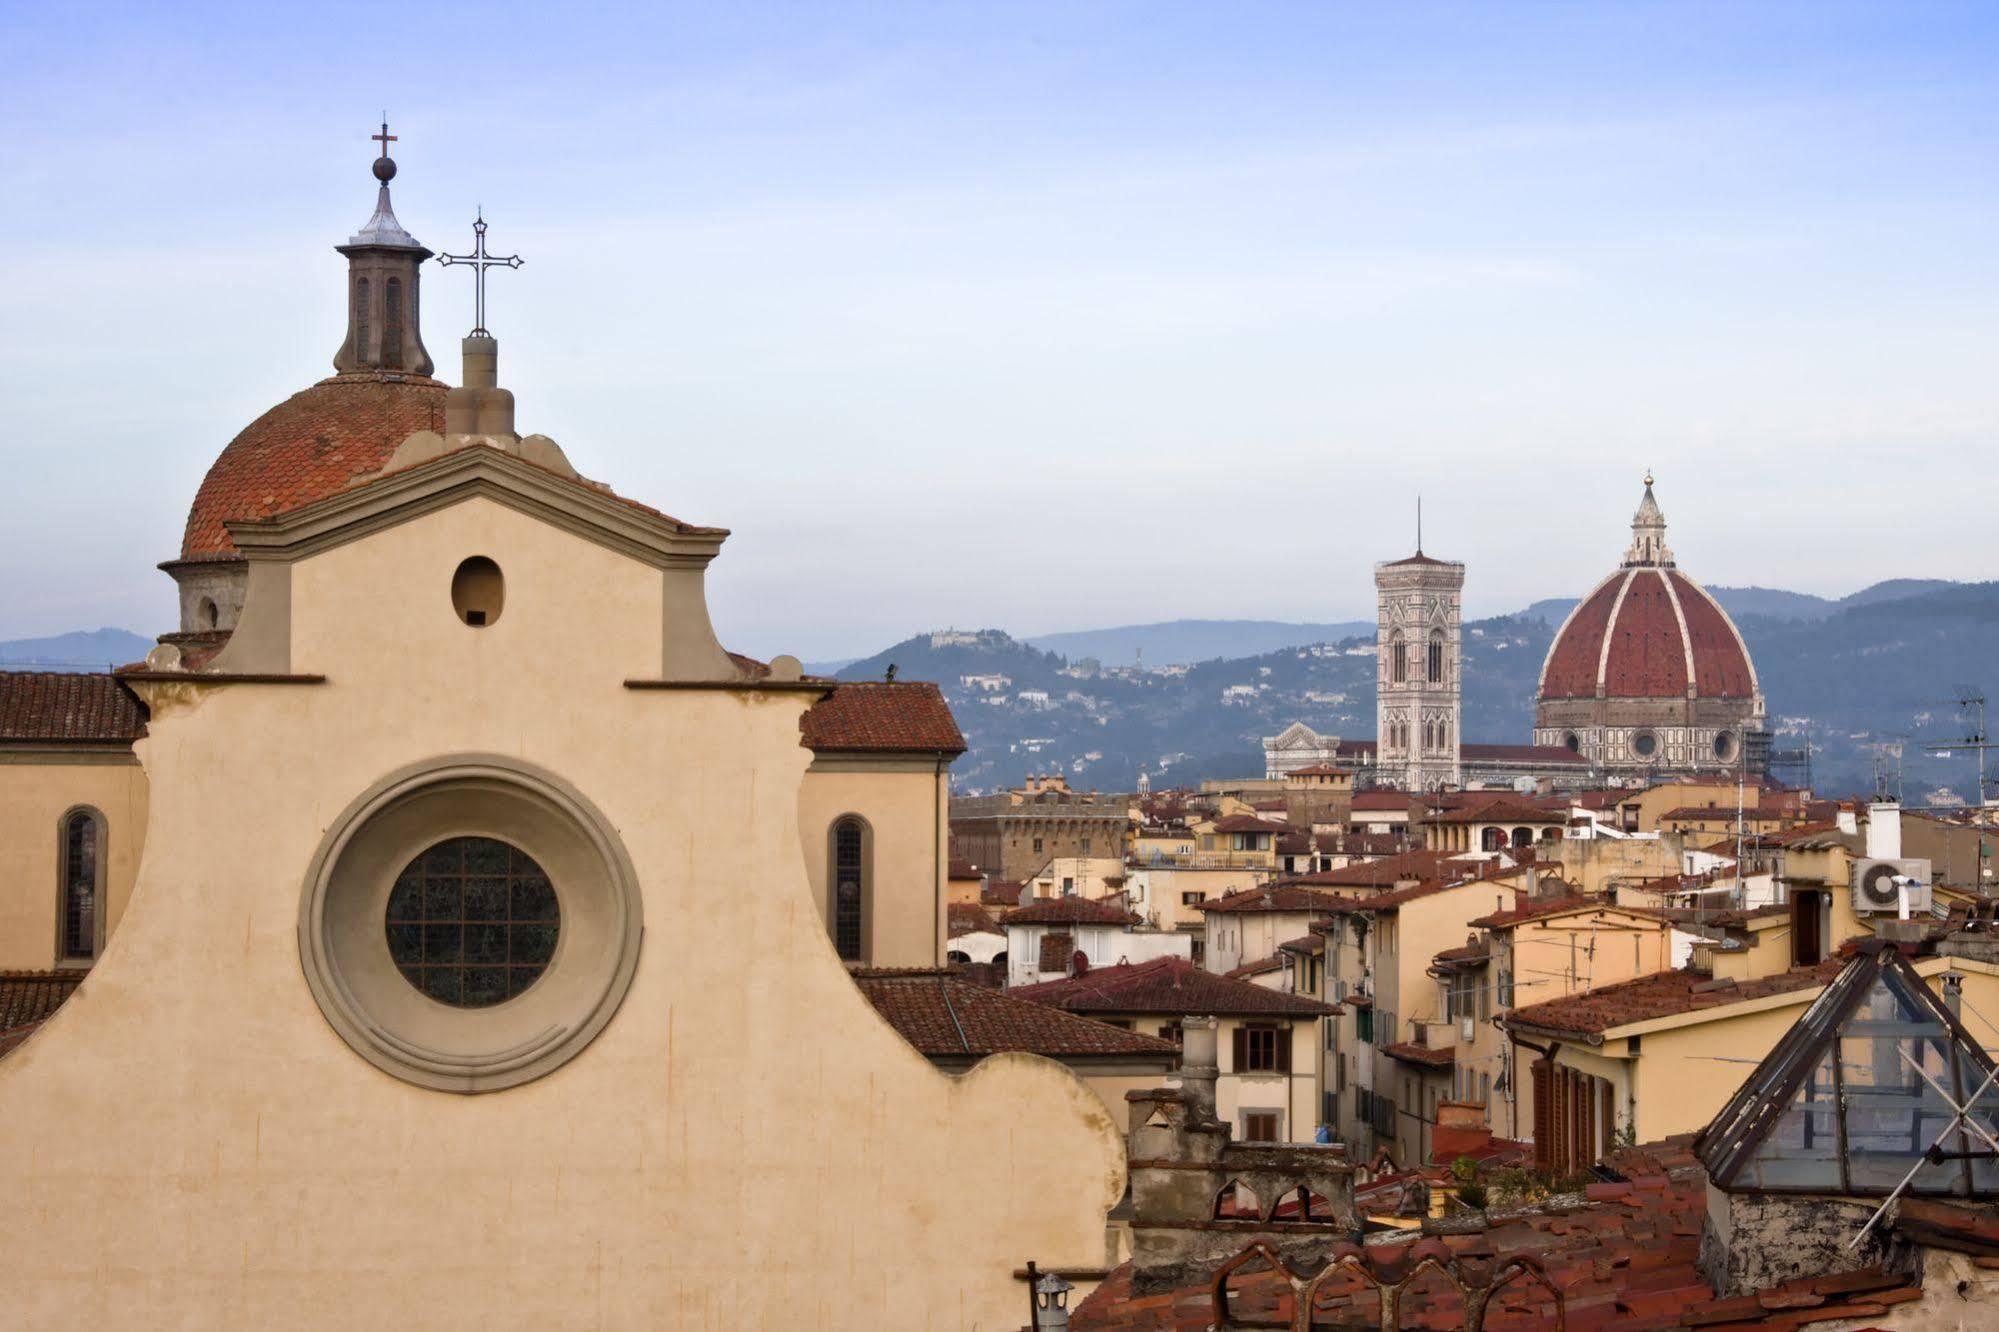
[{"x": 589, "y": 510}]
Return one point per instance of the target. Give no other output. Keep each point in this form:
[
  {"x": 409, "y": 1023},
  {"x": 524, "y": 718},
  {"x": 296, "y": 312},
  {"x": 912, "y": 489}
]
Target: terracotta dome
[
  {"x": 1648, "y": 632},
  {"x": 311, "y": 445},
  {"x": 1648, "y": 676}
]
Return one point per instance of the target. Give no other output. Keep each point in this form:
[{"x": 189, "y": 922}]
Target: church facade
[{"x": 463, "y": 928}]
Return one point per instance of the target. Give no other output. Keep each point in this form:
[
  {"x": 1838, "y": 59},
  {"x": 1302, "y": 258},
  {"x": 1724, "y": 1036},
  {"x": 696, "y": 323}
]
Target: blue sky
[{"x": 1046, "y": 317}]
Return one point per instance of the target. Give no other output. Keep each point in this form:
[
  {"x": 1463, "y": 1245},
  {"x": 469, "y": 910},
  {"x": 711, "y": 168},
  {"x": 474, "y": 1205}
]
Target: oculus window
[{"x": 472, "y": 921}]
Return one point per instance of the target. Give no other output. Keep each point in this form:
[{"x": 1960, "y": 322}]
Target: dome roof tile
[{"x": 312, "y": 445}]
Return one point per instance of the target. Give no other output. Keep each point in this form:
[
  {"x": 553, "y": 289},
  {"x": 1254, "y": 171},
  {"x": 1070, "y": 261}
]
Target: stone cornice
[{"x": 478, "y": 471}]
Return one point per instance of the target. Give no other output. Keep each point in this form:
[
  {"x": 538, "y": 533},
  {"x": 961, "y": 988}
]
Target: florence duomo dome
[{"x": 1649, "y": 675}]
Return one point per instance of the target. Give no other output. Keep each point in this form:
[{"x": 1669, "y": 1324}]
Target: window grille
[{"x": 848, "y": 875}]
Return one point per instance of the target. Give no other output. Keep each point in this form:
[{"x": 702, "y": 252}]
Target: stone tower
[{"x": 1419, "y": 687}]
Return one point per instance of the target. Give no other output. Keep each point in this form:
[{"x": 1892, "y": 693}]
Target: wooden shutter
[
  {"x": 1543, "y": 1078},
  {"x": 1283, "y": 1036},
  {"x": 1241, "y": 1048}
]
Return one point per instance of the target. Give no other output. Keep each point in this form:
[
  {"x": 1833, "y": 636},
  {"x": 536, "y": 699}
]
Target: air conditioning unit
[{"x": 1879, "y": 885}]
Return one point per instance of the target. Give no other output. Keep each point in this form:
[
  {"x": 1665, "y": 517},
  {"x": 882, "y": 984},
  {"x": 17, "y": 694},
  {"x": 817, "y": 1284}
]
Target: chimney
[
  {"x": 1198, "y": 1067},
  {"x": 1884, "y": 830}
]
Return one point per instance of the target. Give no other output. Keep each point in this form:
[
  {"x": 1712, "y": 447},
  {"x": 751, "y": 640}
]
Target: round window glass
[
  {"x": 1644, "y": 743},
  {"x": 1724, "y": 746},
  {"x": 472, "y": 922},
  {"x": 1574, "y": 742}
]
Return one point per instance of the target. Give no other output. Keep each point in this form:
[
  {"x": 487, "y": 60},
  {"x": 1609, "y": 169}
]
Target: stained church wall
[
  {"x": 744, "y": 1144},
  {"x": 36, "y": 796}
]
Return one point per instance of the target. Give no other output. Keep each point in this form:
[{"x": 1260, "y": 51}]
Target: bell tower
[
  {"x": 1418, "y": 681},
  {"x": 384, "y": 265}
]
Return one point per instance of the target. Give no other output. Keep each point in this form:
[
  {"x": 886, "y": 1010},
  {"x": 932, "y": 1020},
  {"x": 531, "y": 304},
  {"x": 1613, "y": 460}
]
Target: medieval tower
[{"x": 1418, "y": 682}]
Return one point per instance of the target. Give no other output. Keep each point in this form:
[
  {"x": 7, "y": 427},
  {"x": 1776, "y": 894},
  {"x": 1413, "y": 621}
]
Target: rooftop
[
  {"x": 1068, "y": 911},
  {"x": 882, "y": 718},
  {"x": 1170, "y": 986},
  {"x": 945, "y": 1017},
  {"x": 1662, "y": 994},
  {"x": 60, "y": 707}
]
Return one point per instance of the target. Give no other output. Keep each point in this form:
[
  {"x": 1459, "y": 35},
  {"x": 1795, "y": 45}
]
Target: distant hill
[
  {"x": 79, "y": 650},
  {"x": 1872, "y": 672},
  {"x": 1772, "y": 602},
  {"x": 1184, "y": 642}
]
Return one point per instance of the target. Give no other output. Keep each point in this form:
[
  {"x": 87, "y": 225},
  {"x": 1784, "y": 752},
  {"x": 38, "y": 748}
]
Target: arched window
[
  {"x": 1398, "y": 658},
  {"x": 849, "y": 888},
  {"x": 362, "y": 323},
  {"x": 1492, "y": 839},
  {"x": 392, "y": 324},
  {"x": 1436, "y": 675},
  {"x": 80, "y": 918},
  {"x": 1429, "y": 735}
]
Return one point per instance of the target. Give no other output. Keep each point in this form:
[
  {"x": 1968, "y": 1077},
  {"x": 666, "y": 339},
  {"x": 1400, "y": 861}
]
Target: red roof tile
[
  {"x": 312, "y": 445},
  {"x": 969, "y": 918},
  {"x": 943, "y": 1016},
  {"x": 30, "y": 998},
  {"x": 1068, "y": 911},
  {"x": 1168, "y": 985},
  {"x": 1427, "y": 1056},
  {"x": 59, "y": 707},
  {"x": 1649, "y": 650},
  {"x": 1273, "y": 897},
  {"x": 882, "y": 718},
  {"x": 1246, "y": 823},
  {"x": 1556, "y": 906},
  {"x": 1663, "y": 994},
  {"x": 1502, "y": 809}
]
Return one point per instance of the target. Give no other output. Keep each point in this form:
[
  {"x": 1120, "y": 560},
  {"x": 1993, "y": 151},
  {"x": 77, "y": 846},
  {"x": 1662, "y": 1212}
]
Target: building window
[
  {"x": 1174, "y": 1032},
  {"x": 850, "y": 887},
  {"x": 1260, "y": 1125},
  {"x": 392, "y": 324},
  {"x": 472, "y": 922},
  {"x": 1086, "y": 846},
  {"x": 1037, "y": 846},
  {"x": 1398, "y": 658},
  {"x": 363, "y": 354},
  {"x": 1436, "y": 675},
  {"x": 1644, "y": 744},
  {"x": 81, "y": 885},
  {"x": 1192, "y": 899},
  {"x": 1573, "y": 742},
  {"x": 1724, "y": 746},
  {"x": 1262, "y": 1048}
]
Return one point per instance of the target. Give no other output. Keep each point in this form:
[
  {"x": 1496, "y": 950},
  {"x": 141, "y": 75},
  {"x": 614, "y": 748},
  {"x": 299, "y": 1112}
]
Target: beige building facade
[{"x": 488, "y": 938}]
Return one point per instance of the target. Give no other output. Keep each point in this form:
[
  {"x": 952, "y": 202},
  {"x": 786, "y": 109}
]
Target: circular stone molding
[{"x": 345, "y": 953}]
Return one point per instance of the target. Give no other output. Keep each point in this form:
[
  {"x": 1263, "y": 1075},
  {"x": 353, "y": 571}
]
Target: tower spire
[
  {"x": 383, "y": 266},
  {"x": 1419, "y": 522},
  {"x": 1648, "y": 532}
]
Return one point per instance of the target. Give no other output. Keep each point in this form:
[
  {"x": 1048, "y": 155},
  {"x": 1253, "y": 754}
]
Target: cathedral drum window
[
  {"x": 1645, "y": 745},
  {"x": 1724, "y": 746},
  {"x": 470, "y": 923}
]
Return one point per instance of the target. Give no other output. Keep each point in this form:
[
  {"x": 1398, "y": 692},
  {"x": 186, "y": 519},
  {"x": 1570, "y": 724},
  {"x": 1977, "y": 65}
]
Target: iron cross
[
  {"x": 480, "y": 262},
  {"x": 384, "y": 138}
]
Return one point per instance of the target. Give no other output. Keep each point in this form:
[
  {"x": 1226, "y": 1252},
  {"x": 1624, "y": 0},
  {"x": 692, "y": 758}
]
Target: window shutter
[
  {"x": 1283, "y": 1037},
  {"x": 1241, "y": 1048},
  {"x": 1543, "y": 1129}
]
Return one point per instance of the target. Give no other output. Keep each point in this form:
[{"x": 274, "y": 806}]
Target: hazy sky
[{"x": 1045, "y": 317}]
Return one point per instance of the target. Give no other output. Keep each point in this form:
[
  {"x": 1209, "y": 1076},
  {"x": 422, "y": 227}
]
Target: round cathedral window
[
  {"x": 1645, "y": 744},
  {"x": 1724, "y": 746},
  {"x": 472, "y": 921},
  {"x": 1574, "y": 742}
]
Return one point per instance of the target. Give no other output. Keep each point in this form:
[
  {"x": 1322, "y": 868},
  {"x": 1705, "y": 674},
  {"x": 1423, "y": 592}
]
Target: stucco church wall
[
  {"x": 35, "y": 796},
  {"x": 905, "y": 812},
  {"x": 745, "y": 1144}
]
